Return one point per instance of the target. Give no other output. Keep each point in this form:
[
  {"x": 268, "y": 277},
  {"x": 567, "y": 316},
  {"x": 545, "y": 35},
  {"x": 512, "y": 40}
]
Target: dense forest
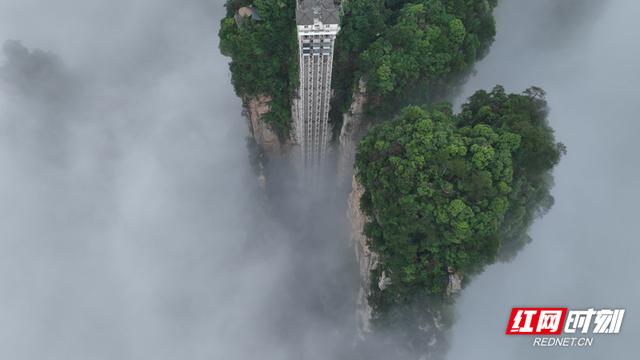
[
  {"x": 404, "y": 50},
  {"x": 264, "y": 56},
  {"x": 451, "y": 193},
  {"x": 407, "y": 51}
]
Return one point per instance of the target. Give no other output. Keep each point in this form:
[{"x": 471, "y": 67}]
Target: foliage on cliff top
[
  {"x": 448, "y": 192},
  {"x": 263, "y": 53},
  {"x": 406, "y": 48}
]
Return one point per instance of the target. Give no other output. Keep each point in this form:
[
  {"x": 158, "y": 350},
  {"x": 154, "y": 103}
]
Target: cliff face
[
  {"x": 353, "y": 128},
  {"x": 264, "y": 137},
  {"x": 367, "y": 259}
]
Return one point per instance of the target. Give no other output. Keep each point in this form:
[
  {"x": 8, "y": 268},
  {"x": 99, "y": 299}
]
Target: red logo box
[{"x": 536, "y": 321}]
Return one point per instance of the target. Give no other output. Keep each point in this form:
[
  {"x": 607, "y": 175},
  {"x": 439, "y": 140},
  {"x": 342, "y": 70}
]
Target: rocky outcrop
[
  {"x": 353, "y": 128},
  {"x": 263, "y": 135},
  {"x": 384, "y": 281},
  {"x": 367, "y": 259},
  {"x": 455, "y": 282}
]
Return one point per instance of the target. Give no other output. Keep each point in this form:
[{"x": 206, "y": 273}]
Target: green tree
[
  {"x": 447, "y": 192},
  {"x": 263, "y": 53},
  {"x": 408, "y": 51},
  {"x": 426, "y": 42}
]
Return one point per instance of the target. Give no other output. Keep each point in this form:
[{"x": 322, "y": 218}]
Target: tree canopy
[
  {"x": 264, "y": 56},
  {"x": 405, "y": 48},
  {"x": 452, "y": 193}
]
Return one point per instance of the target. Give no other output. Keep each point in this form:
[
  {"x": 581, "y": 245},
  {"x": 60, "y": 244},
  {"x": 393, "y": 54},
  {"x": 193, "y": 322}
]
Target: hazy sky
[
  {"x": 131, "y": 225},
  {"x": 585, "y": 54},
  {"x": 127, "y": 205}
]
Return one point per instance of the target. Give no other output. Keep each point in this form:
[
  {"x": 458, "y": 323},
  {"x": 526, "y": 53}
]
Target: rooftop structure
[
  {"x": 323, "y": 11},
  {"x": 246, "y": 12}
]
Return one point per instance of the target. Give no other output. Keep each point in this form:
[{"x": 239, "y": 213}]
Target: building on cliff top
[
  {"x": 318, "y": 23},
  {"x": 246, "y": 12}
]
